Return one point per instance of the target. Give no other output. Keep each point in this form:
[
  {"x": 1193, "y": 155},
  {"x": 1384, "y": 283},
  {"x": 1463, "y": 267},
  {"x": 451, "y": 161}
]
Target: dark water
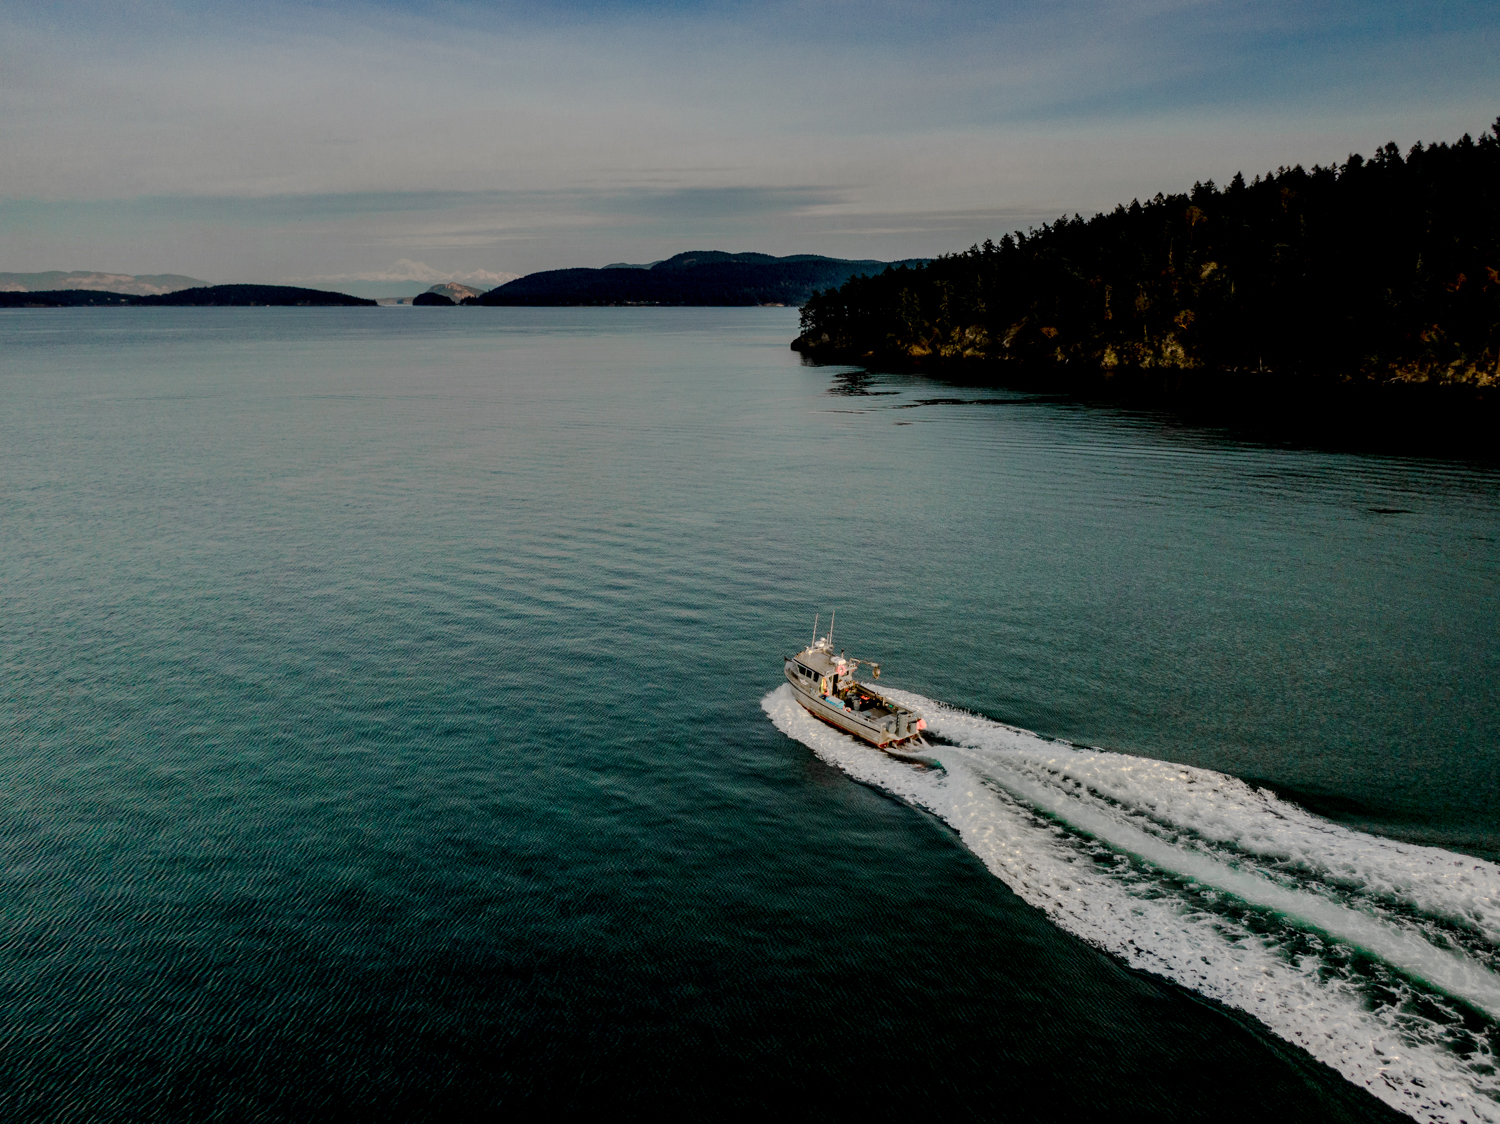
[{"x": 382, "y": 729}]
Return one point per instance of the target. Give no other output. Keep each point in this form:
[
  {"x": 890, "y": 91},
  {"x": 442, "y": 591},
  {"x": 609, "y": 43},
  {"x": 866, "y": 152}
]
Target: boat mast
[
  {"x": 816, "y": 616},
  {"x": 830, "y": 628}
]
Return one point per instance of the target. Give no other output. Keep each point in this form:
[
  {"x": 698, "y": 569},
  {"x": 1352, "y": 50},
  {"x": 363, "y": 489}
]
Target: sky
[{"x": 344, "y": 140}]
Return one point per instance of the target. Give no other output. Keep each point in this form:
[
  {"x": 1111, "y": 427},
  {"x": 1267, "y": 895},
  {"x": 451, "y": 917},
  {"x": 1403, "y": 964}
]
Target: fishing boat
[{"x": 825, "y": 684}]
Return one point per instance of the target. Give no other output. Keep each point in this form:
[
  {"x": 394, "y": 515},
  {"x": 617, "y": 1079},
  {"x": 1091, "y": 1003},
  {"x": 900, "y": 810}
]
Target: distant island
[
  {"x": 236, "y": 296},
  {"x": 1299, "y": 288},
  {"x": 57, "y": 280},
  {"x": 448, "y": 293},
  {"x": 704, "y": 277},
  {"x": 221, "y": 296}
]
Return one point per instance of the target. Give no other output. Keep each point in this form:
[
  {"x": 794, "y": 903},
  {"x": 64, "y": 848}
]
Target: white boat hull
[{"x": 850, "y": 722}]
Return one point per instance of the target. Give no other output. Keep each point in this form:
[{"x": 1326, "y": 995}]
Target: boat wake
[{"x": 1380, "y": 959}]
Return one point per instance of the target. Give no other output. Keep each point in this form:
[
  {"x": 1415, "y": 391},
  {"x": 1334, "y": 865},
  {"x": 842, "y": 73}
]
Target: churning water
[
  {"x": 1379, "y": 958},
  {"x": 384, "y": 733}
]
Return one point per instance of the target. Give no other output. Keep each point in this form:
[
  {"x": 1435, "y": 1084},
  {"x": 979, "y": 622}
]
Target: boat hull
[{"x": 841, "y": 719}]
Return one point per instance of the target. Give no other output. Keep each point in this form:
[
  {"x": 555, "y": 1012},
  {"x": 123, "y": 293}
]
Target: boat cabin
[{"x": 819, "y": 671}]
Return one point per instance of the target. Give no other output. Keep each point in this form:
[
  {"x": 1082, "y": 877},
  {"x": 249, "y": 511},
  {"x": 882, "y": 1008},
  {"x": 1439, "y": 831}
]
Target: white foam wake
[{"x": 1379, "y": 958}]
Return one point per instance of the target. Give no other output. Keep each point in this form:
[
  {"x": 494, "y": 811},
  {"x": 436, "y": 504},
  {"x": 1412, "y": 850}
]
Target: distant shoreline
[
  {"x": 208, "y": 296},
  {"x": 92, "y": 298}
]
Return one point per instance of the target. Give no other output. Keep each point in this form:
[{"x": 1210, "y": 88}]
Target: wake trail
[{"x": 1379, "y": 958}]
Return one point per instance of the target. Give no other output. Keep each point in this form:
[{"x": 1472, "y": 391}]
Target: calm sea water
[{"x": 391, "y": 727}]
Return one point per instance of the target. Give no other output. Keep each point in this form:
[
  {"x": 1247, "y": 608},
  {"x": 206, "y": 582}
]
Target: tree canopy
[{"x": 1381, "y": 269}]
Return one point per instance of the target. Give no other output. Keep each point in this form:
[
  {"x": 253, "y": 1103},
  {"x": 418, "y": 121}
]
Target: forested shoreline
[{"x": 1343, "y": 282}]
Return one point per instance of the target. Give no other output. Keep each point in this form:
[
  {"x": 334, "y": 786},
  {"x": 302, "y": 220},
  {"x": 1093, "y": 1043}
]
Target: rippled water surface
[{"x": 391, "y": 726}]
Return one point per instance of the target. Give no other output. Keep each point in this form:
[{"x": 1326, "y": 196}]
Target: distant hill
[
  {"x": 432, "y": 298},
  {"x": 703, "y": 277},
  {"x": 56, "y": 280},
  {"x": 252, "y": 295},
  {"x": 454, "y": 291}
]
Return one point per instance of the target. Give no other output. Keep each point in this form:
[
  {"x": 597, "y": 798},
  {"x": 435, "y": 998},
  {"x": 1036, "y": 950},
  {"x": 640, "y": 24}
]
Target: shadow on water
[{"x": 1406, "y": 419}]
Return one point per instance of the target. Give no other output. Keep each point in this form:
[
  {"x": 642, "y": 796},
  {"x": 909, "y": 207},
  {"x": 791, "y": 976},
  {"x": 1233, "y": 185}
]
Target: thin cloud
[{"x": 326, "y": 140}]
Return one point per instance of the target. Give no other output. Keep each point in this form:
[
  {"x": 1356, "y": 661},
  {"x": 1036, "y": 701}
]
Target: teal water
[{"x": 389, "y": 729}]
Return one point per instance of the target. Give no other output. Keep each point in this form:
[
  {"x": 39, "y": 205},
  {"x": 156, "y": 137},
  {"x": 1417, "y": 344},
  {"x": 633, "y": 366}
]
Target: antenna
[
  {"x": 830, "y": 628},
  {"x": 816, "y": 617}
]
